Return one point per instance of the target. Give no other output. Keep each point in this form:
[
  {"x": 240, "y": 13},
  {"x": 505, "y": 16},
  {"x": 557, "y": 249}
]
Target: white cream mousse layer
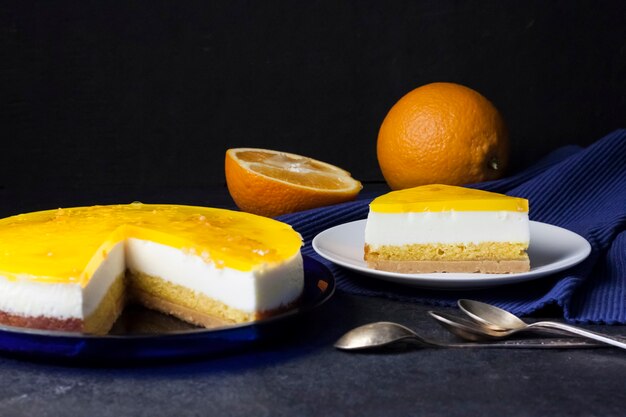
[
  {"x": 261, "y": 289},
  {"x": 264, "y": 288},
  {"x": 397, "y": 229},
  {"x": 28, "y": 298}
]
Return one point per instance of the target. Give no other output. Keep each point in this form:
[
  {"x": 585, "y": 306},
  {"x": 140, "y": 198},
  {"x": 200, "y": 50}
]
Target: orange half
[{"x": 271, "y": 183}]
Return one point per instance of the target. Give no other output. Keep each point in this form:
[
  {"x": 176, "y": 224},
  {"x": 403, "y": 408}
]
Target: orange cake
[
  {"x": 442, "y": 228},
  {"x": 73, "y": 269}
]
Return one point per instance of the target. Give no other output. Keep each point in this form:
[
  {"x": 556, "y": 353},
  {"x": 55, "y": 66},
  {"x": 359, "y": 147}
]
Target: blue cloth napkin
[{"x": 583, "y": 190}]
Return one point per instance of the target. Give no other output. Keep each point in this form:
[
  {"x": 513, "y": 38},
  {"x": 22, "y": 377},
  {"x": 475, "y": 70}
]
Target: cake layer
[
  {"x": 438, "y": 197},
  {"x": 265, "y": 288},
  {"x": 42, "y": 322},
  {"x": 449, "y": 251},
  {"x": 112, "y": 268},
  {"x": 484, "y": 267},
  {"x": 68, "y": 245},
  {"x": 35, "y": 299},
  {"x": 32, "y": 298},
  {"x": 446, "y": 227},
  {"x": 187, "y": 314},
  {"x": 191, "y": 306},
  {"x": 111, "y": 305}
]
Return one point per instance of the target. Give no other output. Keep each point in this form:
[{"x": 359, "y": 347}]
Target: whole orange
[{"x": 442, "y": 133}]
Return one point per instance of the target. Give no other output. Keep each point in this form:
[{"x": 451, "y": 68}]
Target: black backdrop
[{"x": 151, "y": 93}]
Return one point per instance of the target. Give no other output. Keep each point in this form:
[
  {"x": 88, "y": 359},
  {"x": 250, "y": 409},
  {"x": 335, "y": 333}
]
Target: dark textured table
[{"x": 301, "y": 373}]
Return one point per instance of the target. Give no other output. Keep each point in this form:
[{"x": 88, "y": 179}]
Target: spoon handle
[
  {"x": 554, "y": 343},
  {"x": 579, "y": 332}
]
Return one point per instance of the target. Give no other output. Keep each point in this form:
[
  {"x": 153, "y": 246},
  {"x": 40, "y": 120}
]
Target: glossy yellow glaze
[
  {"x": 68, "y": 245},
  {"x": 439, "y": 198}
]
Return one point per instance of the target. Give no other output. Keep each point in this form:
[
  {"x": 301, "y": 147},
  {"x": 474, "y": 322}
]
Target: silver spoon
[
  {"x": 463, "y": 328},
  {"x": 506, "y": 324},
  {"x": 472, "y": 331},
  {"x": 381, "y": 334}
]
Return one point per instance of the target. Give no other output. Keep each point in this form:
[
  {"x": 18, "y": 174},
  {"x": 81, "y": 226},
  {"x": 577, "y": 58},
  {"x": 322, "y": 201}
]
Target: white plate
[{"x": 551, "y": 249}]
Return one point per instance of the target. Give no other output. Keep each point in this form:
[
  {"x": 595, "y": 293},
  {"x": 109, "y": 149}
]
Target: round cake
[{"x": 74, "y": 269}]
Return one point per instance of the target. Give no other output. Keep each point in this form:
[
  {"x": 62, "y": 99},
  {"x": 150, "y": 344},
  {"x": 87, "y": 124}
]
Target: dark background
[
  {"x": 97, "y": 98},
  {"x": 152, "y": 93}
]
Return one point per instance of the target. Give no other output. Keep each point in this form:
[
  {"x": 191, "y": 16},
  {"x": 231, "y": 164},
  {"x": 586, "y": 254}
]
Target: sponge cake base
[{"x": 421, "y": 267}]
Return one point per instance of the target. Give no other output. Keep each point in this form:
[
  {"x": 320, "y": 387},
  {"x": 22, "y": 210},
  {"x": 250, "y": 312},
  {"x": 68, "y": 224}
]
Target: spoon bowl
[
  {"x": 463, "y": 328},
  {"x": 491, "y": 317},
  {"x": 501, "y": 322},
  {"x": 376, "y": 335}
]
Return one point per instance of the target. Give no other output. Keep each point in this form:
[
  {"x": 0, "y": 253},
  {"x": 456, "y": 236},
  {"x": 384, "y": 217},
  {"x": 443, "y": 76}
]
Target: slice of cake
[
  {"x": 442, "y": 228},
  {"x": 73, "y": 269}
]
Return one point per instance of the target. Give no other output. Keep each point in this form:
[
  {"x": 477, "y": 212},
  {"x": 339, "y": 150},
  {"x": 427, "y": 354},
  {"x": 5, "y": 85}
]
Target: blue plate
[{"x": 141, "y": 334}]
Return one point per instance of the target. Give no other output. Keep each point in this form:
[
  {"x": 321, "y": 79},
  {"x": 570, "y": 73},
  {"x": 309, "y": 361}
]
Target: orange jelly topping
[{"x": 68, "y": 245}]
